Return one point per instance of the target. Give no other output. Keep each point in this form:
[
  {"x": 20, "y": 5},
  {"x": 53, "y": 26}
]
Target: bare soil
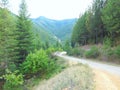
[{"x": 106, "y": 81}]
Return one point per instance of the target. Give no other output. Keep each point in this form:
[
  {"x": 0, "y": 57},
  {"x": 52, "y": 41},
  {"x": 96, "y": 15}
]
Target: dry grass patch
[{"x": 77, "y": 77}]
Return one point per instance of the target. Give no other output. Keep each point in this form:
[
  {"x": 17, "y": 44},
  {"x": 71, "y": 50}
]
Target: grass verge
[{"x": 75, "y": 77}]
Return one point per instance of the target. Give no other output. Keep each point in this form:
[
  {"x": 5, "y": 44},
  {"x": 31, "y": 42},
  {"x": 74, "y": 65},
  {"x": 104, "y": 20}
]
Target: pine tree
[
  {"x": 8, "y": 43},
  {"x": 37, "y": 42},
  {"x": 24, "y": 33},
  {"x": 80, "y": 33},
  {"x": 97, "y": 22},
  {"x": 111, "y": 18}
]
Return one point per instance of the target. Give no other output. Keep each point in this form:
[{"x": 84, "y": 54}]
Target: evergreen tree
[
  {"x": 37, "y": 42},
  {"x": 8, "y": 43},
  {"x": 97, "y": 22},
  {"x": 24, "y": 32},
  {"x": 90, "y": 28},
  {"x": 67, "y": 47},
  {"x": 111, "y": 18},
  {"x": 58, "y": 44},
  {"x": 80, "y": 33}
]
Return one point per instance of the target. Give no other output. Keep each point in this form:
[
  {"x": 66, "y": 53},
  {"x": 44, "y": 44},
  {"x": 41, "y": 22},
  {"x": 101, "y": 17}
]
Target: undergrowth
[{"x": 57, "y": 68}]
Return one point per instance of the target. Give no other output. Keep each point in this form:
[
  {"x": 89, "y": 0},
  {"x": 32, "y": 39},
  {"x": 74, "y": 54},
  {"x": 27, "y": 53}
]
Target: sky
[{"x": 53, "y": 9}]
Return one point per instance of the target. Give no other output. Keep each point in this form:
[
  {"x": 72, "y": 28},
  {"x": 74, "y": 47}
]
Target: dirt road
[
  {"x": 105, "y": 80},
  {"x": 109, "y": 68},
  {"x": 107, "y": 77}
]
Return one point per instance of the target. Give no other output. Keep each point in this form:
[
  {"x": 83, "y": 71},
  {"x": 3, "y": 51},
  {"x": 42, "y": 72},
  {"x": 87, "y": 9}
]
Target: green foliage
[
  {"x": 12, "y": 67},
  {"x": 24, "y": 34},
  {"x": 107, "y": 42},
  {"x": 13, "y": 80},
  {"x": 107, "y": 49},
  {"x": 110, "y": 53},
  {"x": 99, "y": 24},
  {"x": 50, "y": 51},
  {"x": 79, "y": 34},
  {"x": 53, "y": 30},
  {"x": 54, "y": 69},
  {"x": 8, "y": 42},
  {"x": 67, "y": 47},
  {"x": 117, "y": 51},
  {"x": 77, "y": 51},
  {"x": 7, "y": 36},
  {"x": 111, "y": 18},
  {"x": 40, "y": 34},
  {"x": 99, "y": 21},
  {"x": 92, "y": 53},
  {"x": 35, "y": 62},
  {"x": 89, "y": 28},
  {"x": 37, "y": 43}
]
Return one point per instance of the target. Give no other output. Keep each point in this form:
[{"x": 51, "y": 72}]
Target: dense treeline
[
  {"x": 8, "y": 41},
  {"x": 96, "y": 33},
  {"x": 100, "y": 22},
  {"x": 22, "y": 55},
  {"x": 15, "y": 43},
  {"x": 15, "y": 38}
]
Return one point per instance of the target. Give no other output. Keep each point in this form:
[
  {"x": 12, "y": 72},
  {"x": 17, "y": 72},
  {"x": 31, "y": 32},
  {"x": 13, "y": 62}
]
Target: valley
[{"x": 53, "y": 30}]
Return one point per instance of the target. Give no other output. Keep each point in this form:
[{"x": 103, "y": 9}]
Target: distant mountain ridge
[{"x": 60, "y": 29}]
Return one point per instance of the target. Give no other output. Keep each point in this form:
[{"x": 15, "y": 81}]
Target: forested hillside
[
  {"x": 98, "y": 23},
  {"x": 98, "y": 32},
  {"x": 61, "y": 29},
  {"x": 42, "y": 35},
  {"x": 25, "y": 49}
]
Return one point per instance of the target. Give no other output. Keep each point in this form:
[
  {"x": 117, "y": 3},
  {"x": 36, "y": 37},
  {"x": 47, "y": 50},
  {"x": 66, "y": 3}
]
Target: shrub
[
  {"x": 92, "y": 53},
  {"x": 14, "y": 81},
  {"x": 107, "y": 43},
  {"x": 77, "y": 52},
  {"x": 35, "y": 62},
  {"x": 49, "y": 51},
  {"x": 117, "y": 51},
  {"x": 107, "y": 49}
]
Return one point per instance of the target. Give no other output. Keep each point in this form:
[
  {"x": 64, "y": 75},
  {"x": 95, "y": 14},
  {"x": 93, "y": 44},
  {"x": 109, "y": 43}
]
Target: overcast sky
[{"x": 54, "y": 9}]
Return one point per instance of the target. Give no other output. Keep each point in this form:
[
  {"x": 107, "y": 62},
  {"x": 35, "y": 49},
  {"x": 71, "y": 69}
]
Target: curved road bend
[{"x": 109, "y": 68}]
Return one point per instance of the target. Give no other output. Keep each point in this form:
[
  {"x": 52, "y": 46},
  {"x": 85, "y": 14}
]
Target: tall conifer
[
  {"x": 8, "y": 43},
  {"x": 24, "y": 27}
]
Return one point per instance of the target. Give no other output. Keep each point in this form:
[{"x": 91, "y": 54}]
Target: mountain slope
[
  {"x": 41, "y": 34},
  {"x": 61, "y": 29}
]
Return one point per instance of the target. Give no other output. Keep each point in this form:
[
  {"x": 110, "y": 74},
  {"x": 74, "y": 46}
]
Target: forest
[
  {"x": 99, "y": 27},
  {"x": 23, "y": 55},
  {"x": 99, "y": 22}
]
